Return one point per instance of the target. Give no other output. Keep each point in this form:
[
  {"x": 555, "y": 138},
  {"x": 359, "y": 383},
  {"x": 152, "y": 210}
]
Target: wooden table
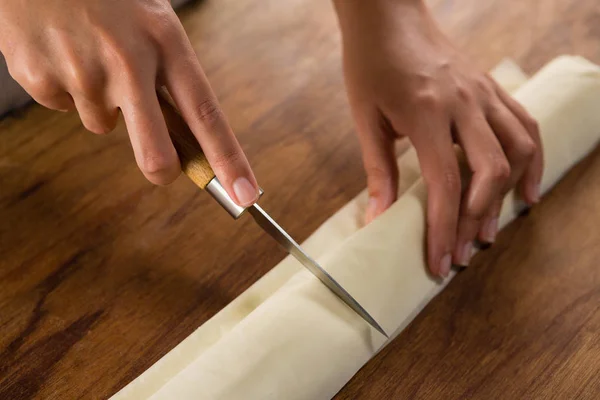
[{"x": 102, "y": 273}]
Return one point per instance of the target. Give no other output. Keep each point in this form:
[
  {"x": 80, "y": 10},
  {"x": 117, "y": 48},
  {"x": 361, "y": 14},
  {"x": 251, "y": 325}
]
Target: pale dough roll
[{"x": 331, "y": 234}]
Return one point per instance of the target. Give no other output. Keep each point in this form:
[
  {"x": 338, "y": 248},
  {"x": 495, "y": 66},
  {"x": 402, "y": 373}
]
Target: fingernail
[
  {"x": 245, "y": 192},
  {"x": 465, "y": 254},
  {"x": 372, "y": 208},
  {"x": 490, "y": 229},
  {"x": 445, "y": 264}
]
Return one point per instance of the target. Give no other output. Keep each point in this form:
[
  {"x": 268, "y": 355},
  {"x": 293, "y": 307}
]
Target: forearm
[
  {"x": 377, "y": 12},
  {"x": 363, "y": 21}
]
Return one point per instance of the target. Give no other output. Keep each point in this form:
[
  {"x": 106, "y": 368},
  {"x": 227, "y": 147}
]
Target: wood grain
[{"x": 102, "y": 273}]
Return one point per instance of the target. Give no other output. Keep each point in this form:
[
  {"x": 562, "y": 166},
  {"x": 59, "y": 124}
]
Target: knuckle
[
  {"x": 208, "y": 112},
  {"x": 377, "y": 173},
  {"x": 19, "y": 73},
  {"x": 463, "y": 93},
  {"x": 79, "y": 80},
  {"x": 159, "y": 168},
  {"x": 450, "y": 182},
  {"x": 379, "y": 179},
  {"x": 527, "y": 148},
  {"x": 500, "y": 170},
  {"x": 19, "y": 65},
  {"x": 37, "y": 81},
  {"x": 226, "y": 158},
  {"x": 495, "y": 109},
  {"x": 165, "y": 28},
  {"x": 428, "y": 99},
  {"x": 41, "y": 85},
  {"x": 484, "y": 84},
  {"x": 474, "y": 213}
]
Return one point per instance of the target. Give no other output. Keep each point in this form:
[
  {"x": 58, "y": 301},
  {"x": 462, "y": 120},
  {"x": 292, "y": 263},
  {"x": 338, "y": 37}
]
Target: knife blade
[
  {"x": 269, "y": 225},
  {"x": 195, "y": 165}
]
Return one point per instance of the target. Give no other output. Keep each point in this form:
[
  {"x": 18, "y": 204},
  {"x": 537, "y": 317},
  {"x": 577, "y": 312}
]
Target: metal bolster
[{"x": 217, "y": 191}]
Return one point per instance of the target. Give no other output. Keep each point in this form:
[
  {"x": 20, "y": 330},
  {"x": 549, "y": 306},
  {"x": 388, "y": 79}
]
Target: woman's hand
[
  {"x": 404, "y": 78},
  {"x": 102, "y": 56}
]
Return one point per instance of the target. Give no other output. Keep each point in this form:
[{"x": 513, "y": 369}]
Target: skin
[
  {"x": 103, "y": 57},
  {"x": 404, "y": 79}
]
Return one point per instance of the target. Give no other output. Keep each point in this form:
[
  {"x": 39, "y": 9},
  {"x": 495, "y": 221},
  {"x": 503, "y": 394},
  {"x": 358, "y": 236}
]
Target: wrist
[
  {"x": 376, "y": 6},
  {"x": 377, "y": 14},
  {"x": 371, "y": 3}
]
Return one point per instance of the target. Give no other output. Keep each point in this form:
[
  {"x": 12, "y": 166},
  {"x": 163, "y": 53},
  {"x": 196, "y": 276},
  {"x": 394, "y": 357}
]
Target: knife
[{"x": 195, "y": 165}]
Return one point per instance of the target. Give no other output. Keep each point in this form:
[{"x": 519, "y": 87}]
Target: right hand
[{"x": 106, "y": 56}]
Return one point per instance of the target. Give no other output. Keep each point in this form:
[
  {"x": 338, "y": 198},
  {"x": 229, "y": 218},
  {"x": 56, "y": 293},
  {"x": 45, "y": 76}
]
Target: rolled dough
[{"x": 288, "y": 337}]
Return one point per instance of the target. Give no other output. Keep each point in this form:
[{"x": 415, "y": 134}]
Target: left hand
[{"x": 404, "y": 78}]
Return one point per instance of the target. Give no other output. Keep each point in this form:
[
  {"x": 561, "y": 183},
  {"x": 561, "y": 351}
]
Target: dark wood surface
[{"x": 102, "y": 273}]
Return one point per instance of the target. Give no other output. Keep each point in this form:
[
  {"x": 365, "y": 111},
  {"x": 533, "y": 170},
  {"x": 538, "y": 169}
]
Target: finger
[
  {"x": 518, "y": 148},
  {"x": 379, "y": 159},
  {"x": 489, "y": 226},
  {"x": 96, "y": 116},
  {"x": 433, "y": 143},
  {"x": 194, "y": 97},
  {"x": 532, "y": 177},
  {"x": 152, "y": 145},
  {"x": 517, "y": 144},
  {"x": 491, "y": 172}
]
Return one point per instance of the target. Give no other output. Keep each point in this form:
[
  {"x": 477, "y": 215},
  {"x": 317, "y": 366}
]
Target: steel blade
[{"x": 276, "y": 232}]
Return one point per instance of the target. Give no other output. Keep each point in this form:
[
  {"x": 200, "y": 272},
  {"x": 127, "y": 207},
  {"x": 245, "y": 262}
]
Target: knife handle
[{"x": 193, "y": 161}]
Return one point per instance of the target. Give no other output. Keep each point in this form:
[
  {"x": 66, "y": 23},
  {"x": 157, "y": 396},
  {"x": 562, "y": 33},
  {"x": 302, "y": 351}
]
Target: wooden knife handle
[{"x": 193, "y": 161}]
